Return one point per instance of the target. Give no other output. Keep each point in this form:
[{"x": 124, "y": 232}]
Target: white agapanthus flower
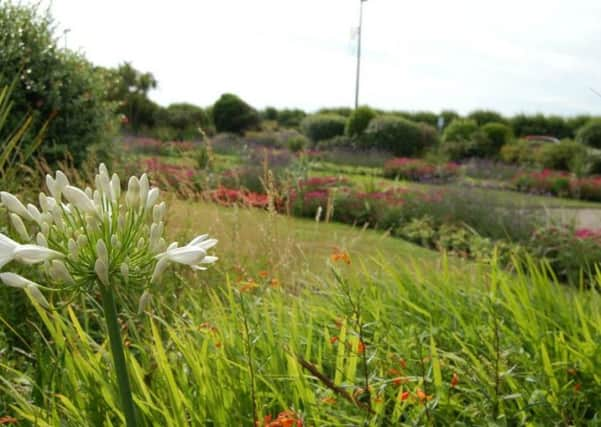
[{"x": 99, "y": 236}]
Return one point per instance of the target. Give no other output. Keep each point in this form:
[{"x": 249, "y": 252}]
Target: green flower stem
[{"x": 110, "y": 315}]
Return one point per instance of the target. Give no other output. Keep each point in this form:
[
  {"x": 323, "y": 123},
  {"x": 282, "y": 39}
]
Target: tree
[{"x": 232, "y": 114}]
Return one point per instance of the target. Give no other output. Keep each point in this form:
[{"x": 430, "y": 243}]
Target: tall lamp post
[{"x": 359, "y": 52}]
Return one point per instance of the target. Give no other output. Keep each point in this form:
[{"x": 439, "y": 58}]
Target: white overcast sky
[{"x": 511, "y": 55}]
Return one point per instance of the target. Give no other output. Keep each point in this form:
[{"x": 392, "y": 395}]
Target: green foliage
[
  {"x": 187, "y": 121},
  {"x": 399, "y": 136},
  {"x": 290, "y": 118},
  {"x": 56, "y": 84},
  {"x": 448, "y": 116},
  {"x": 538, "y": 124},
  {"x": 232, "y": 114},
  {"x": 560, "y": 156},
  {"x": 319, "y": 127},
  {"x": 520, "y": 152},
  {"x": 339, "y": 111},
  {"x": 483, "y": 117},
  {"x": 297, "y": 143},
  {"x": 269, "y": 113},
  {"x": 479, "y": 145},
  {"x": 358, "y": 121},
  {"x": 590, "y": 134},
  {"x": 424, "y": 117},
  {"x": 459, "y": 130},
  {"x": 499, "y": 134}
]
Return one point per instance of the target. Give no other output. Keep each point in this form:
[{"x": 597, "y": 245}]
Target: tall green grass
[{"x": 358, "y": 346}]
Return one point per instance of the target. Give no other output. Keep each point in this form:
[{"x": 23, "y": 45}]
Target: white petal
[
  {"x": 132, "y": 197},
  {"x": 34, "y": 212},
  {"x": 36, "y": 295},
  {"x": 7, "y": 246},
  {"x": 153, "y": 196},
  {"x": 14, "y": 205},
  {"x": 198, "y": 239},
  {"x": 19, "y": 227},
  {"x": 159, "y": 268},
  {"x": 14, "y": 280},
  {"x": 144, "y": 186},
  {"x": 33, "y": 254},
  {"x": 79, "y": 199},
  {"x": 61, "y": 181},
  {"x": 115, "y": 187},
  {"x": 187, "y": 255}
]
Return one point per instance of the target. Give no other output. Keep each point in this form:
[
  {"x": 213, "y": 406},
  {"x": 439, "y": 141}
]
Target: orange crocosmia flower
[
  {"x": 577, "y": 387},
  {"x": 248, "y": 286},
  {"x": 400, "y": 380},
  {"x": 329, "y": 400},
  {"x": 394, "y": 371},
  {"x": 8, "y": 420},
  {"x": 361, "y": 347},
  {"x": 572, "y": 371},
  {"x": 454, "y": 380},
  {"x": 422, "y": 396},
  {"x": 334, "y": 340},
  {"x": 403, "y": 363},
  {"x": 338, "y": 255},
  {"x": 263, "y": 274},
  {"x": 274, "y": 283},
  {"x": 286, "y": 419},
  {"x": 404, "y": 396}
]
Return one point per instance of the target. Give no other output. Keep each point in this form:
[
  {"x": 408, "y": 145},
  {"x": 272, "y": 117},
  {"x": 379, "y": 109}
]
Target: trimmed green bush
[
  {"x": 319, "y": 127},
  {"x": 590, "y": 134},
  {"x": 499, "y": 134},
  {"x": 232, "y": 114},
  {"x": 358, "y": 121},
  {"x": 560, "y": 156},
  {"x": 478, "y": 145},
  {"x": 184, "y": 119},
  {"x": 400, "y": 136},
  {"x": 459, "y": 130},
  {"x": 520, "y": 152},
  {"x": 482, "y": 117}
]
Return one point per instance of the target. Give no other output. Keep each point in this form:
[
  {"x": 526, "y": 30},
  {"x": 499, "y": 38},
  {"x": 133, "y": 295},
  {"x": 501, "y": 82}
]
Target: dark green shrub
[
  {"x": 590, "y": 134},
  {"x": 520, "y": 152},
  {"x": 339, "y": 111},
  {"x": 319, "y": 127},
  {"x": 338, "y": 142},
  {"x": 358, "y": 121},
  {"x": 425, "y": 117},
  {"x": 54, "y": 83},
  {"x": 459, "y": 130},
  {"x": 297, "y": 143},
  {"x": 186, "y": 120},
  {"x": 560, "y": 156},
  {"x": 290, "y": 118},
  {"x": 499, "y": 134},
  {"x": 558, "y": 127},
  {"x": 538, "y": 124},
  {"x": 398, "y": 135},
  {"x": 479, "y": 145},
  {"x": 482, "y": 117},
  {"x": 232, "y": 114},
  {"x": 269, "y": 113},
  {"x": 576, "y": 122}
]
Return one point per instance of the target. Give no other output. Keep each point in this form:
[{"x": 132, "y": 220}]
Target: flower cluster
[
  {"x": 228, "y": 197},
  {"x": 88, "y": 237},
  {"x": 419, "y": 170}
]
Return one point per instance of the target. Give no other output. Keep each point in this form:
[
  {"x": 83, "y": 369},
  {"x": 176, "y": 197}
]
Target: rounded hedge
[
  {"x": 319, "y": 127},
  {"x": 232, "y": 114},
  {"x": 482, "y": 117},
  {"x": 459, "y": 130},
  {"x": 400, "y": 136},
  {"x": 562, "y": 156},
  {"x": 499, "y": 134},
  {"x": 358, "y": 121},
  {"x": 590, "y": 134}
]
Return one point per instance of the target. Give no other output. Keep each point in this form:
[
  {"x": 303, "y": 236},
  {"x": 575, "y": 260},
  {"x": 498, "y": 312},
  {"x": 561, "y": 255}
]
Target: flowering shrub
[
  {"x": 559, "y": 184},
  {"x": 419, "y": 170},
  {"x": 229, "y": 197}
]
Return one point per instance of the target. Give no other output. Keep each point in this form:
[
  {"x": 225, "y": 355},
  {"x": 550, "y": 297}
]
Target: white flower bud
[
  {"x": 158, "y": 212},
  {"x": 14, "y": 205},
  {"x": 145, "y": 301},
  {"x": 153, "y": 196},
  {"x": 102, "y": 271},
  {"x": 132, "y": 198},
  {"x": 52, "y": 187},
  {"x": 101, "y": 251},
  {"x": 19, "y": 227},
  {"x": 160, "y": 266},
  {"x": 102, "y": 169},
  {"x": 73, "y": 248},
  {"x": 45, "y": 228},
  {"x": 79, "y": 199},
  {"x": 125, "y": 271},
  {"x": 33, "y": 254},
  {"x": 58, "y": 272},
  {"x": 34, "y": 213},
  {"x": 35, "y": 294},
  {"x": 115, "y": 243},
  {"x": 115, "y": 188},
  {"x": 61, "y": 182},
  {"x": 41, "y": 240},
  {"x": 89, "y": 192},
  {"x": 141, "y": 242},
  {"x": 97, "y": 198},
  {"x": 14, "y": 280},
  {"x": 121, "y": 220},
  {"x": 144, "y": 186}
]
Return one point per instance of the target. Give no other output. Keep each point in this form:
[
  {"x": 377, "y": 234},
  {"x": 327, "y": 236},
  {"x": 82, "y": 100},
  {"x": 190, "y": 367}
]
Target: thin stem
[
  {"x": 110, "y": 315},
  {"x": 249, "y": 360}
]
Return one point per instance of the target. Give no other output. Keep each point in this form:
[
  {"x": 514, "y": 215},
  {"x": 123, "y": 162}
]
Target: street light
[
  {"x": 65, "y": 32},
  {"x": 359, "y": 52}
]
